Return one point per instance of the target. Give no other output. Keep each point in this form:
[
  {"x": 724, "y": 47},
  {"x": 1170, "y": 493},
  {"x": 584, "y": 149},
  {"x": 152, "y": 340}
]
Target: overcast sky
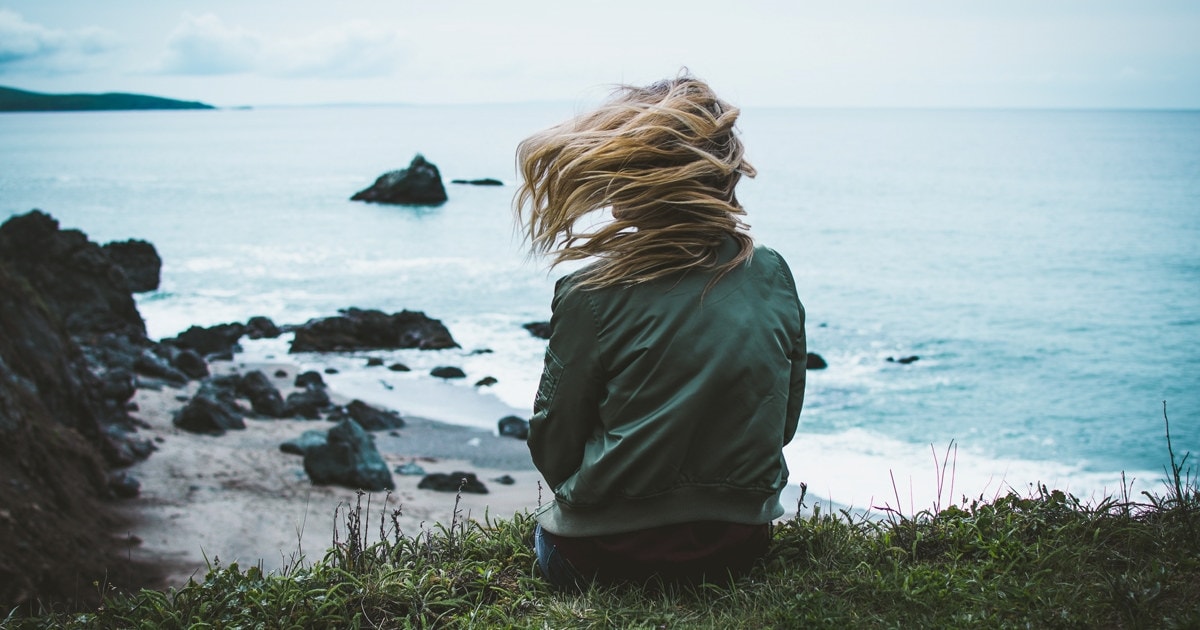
[{"x": 857, "y": 53}]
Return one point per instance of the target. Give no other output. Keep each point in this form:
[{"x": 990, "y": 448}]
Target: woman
[{"x": 674, "y": 374}]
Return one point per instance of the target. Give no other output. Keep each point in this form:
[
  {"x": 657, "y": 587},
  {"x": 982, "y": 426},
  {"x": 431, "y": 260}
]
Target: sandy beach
[{"x": 239, "y": 498}]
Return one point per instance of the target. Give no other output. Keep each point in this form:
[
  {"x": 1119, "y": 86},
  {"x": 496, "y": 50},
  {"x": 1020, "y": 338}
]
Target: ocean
[{"x": 1043, "y": 265}]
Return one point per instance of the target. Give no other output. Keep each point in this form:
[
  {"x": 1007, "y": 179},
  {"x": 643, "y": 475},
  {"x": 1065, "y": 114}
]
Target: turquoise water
[{"x": 1044, "y": 265}]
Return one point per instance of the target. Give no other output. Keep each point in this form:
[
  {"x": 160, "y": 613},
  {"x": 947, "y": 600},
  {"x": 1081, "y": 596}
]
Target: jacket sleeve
[
  {"x": 566, "y": 408},
  {"x": 799, "y": 360},
  {"x": 796, "y": 393}
]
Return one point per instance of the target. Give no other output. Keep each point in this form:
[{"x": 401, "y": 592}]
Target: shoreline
[{"x": 238, "y": 498}]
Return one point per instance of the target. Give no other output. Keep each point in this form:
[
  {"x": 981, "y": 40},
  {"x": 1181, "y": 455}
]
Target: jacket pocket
[{"x": 551, "y": 375}]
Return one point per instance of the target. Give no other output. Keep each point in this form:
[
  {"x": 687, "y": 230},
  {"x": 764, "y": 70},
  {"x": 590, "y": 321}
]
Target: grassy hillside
[
  {"x": 1045, "y": 560},
  {"x": 13, "y": 100}
]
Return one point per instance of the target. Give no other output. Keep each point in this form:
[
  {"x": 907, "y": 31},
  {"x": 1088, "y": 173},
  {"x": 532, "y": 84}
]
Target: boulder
[
  {"x": 124, "y": 485},
  {"x": 541, "y": 330},
  {"x": 305, "y": 442},
  {"x": 348, "y": 458},
  {"x": 357, "y": 329},
  {"x": 486, "y": 381},
  {"x": 447, "y": 372},
  {"x": 419, "y": 184},
  {"x": 307, "y": 404},
  {"x": 368, "y": 417},
  {"x": 264, "y": 398},
  {"x": 815, "y": 362},
  {"x": 486, "y": 181},
  {"x": 260, "y": 327},
  {"x": 151, "y": 364},
  {"x": 139, "y": 261},
  {"x": 309, "y": 380},
  {"x": 904, "y": 360},
  {"x": 208, "y": 414},
  {"x": 453, "y": 482},
  {"x": 514, "y": 427},
  {"x": 190, "y": 363},
  {"x": 399, "y": 367},
  {"x": 221, "y": 339}
]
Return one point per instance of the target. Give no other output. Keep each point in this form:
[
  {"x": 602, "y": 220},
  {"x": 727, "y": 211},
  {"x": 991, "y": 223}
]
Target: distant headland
[{"x": 13, "y": 100}]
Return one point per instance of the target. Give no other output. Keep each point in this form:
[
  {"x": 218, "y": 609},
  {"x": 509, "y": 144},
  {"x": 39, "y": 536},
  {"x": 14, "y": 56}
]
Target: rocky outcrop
[
  {"x": 348, "y": 458},
  {"x": 357, "y": 329},
  {"x": 419, "y": 184},
  {"x": 815, "y": 361},
  {"x": 55, "y": 437},
  {"x": 541, "y": 330},
  {"x": 447, "y": 372},
  {"x": 453, "y": 482},
  {"x": 513, "y": 427},
  {"x": 72, "y": 276},
  {"x": 139, "y": 261},
  {"x": 219, "y": 340},
  {"x": 486, "y": 181},
  {"x": 264, "y": 397},
  {"x": 368, "y": 417}
]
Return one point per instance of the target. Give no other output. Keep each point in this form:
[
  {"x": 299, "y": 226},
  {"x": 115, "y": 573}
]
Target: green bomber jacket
[{"x": 660, "y": 403}]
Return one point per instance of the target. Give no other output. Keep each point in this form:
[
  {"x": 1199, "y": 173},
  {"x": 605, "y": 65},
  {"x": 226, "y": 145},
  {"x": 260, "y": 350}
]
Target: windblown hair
[{"x": 665, "y": 158}]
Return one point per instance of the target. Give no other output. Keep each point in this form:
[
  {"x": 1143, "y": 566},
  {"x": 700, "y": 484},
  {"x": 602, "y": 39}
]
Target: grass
[{"x": 1043, "y": 560}]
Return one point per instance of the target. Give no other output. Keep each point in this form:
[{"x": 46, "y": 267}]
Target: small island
[{"x": 14, "y": 100}]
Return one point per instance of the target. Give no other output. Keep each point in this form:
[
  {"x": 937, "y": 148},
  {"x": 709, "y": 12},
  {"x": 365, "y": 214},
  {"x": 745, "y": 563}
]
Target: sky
[{"x": 766, "y": 53}]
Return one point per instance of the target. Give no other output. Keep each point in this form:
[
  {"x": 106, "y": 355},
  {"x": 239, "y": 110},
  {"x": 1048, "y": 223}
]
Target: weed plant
[{"x": 1042, "y": 559}]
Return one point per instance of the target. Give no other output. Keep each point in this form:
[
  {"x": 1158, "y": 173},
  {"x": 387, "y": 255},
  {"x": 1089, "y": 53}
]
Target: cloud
[
  {"x": 205, "y": 45},
  {"x": 25, "y": 46}
]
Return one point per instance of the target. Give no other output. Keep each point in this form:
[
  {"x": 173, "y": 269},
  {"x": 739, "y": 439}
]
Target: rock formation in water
[
  {"x": 419, "y": 184},
  {"x": 357, "y": 329}
]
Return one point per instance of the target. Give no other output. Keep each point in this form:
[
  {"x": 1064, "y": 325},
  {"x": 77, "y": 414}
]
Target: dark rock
[
  {"x": 505, "y": 480},
  {"x": 191, "y": 364},
  {"x": 331, "y": 370},
  {"x": 370, "y": 418},
  {"x": 486, "y": 181},
  {"x": 118, "y": 385},
  {"x": 209, "y": 415},
  {"x": 305, "y": 442},
  {"x": 281, "y": 373},
  {"x": 73, "y": 277},
  {"x": 124, "y": 485},
  {"x": 486, "y": 381},
  {"x": 262, "y": 328},
  {"x": 348, "y": 458},
  {"x": 399, "y": 367},
  {"x": 409, "y": 469},
  {"x": 904, "y": 360},
  {"x": 264, "y": 397},
  {"x": 307, "y": 404},
  {"x": 453, "y": 482},
  {"x": 357, "y": 329},
  {"x": 481, "y": 351},
  {"x": 541, "y": 330},
  {"x": 447, "y": 372},
  {"x": 374, "y": 362},
  {"x": 815, "y": 362},
  {"x": 419, "y": 184},
  {"x": 309, "y": 380},
  {"x": 139, "y": 261},
  {"x": 150, "y": 364},
  {"x": 514, "y": 427},
  {"x": 219, "y": 339}
]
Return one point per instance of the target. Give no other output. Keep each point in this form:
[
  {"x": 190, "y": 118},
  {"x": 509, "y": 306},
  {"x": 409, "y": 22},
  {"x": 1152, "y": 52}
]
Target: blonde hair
[{"x": 665, "y": 158}]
